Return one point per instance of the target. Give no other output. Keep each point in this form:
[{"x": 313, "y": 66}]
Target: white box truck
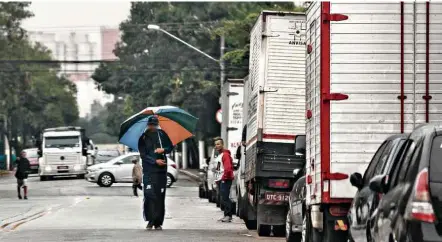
[
  {"x": 275, "y": 118},
  {"x": 373, "y": 70},
  {"x": 64, "y": 151}
]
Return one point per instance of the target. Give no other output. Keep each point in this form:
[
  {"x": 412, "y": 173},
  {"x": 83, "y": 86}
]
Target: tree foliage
[
  {"x": 155, "y": 69},
  {"x": 32, "y": 96}
]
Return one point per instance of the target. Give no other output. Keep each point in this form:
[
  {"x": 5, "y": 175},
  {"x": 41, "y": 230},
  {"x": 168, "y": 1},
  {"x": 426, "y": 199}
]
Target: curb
[
  {"x": 5, "y": 173},
  {"x": 190, "y": 175}
]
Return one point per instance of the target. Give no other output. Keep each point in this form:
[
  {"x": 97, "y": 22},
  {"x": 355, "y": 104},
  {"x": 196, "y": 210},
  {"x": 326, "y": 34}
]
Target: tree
[
  {"x": 154, "y": 69},
  {"x": 32, "y": 96}
]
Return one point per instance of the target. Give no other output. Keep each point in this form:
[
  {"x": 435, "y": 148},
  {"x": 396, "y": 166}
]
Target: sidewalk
[
  {"x": 5, "y": 173},
  {"x": 191, "y": 173}
]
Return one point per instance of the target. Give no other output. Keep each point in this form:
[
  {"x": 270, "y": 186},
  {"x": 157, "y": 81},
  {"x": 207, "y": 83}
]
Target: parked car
[
  {"x": 103, "y": 156},
  {"x": 411, "y": 210},
  {"x": 366, "y": 201},
  {"x": 32, "y": 156},
  {"x": 296, "y": 226},
  {"x": 119, "y": 170}
]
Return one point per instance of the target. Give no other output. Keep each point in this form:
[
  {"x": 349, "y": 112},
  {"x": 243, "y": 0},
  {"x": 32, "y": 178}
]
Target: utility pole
[{"x": 222, "y": 79}]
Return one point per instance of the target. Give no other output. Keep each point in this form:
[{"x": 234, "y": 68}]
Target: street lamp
[
  {"x": 220, "y": 61},
  {"x": 156, "y": 27}
]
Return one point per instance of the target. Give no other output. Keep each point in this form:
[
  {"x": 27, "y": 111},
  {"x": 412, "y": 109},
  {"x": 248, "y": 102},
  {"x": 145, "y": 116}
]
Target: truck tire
[
  {"x": 234, "y": 205},
  {"x": 250, "y": 224},
  {"x": 279, "y": 230},
  {"x": 264, "y": 230},
  {"x": 209, "y": 196},
  {"x": 328, "y": 234},
  {"x": 331, "y": 235},
  {"x": 218, "y": 200}
]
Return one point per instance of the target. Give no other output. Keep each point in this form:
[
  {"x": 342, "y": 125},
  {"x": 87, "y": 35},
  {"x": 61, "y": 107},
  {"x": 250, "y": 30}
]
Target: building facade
[{"x": 91, "y": 45}]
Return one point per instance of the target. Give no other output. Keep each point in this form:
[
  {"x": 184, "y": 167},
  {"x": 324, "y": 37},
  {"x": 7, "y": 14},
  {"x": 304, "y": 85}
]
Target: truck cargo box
[
  {"x": 373, "y": 70},
  {"x": 276, "y": 93}
]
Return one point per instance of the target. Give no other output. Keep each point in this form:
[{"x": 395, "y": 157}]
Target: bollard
[
  {"x": 201, "y": 152},
  {"x": 184, "y": 155}
]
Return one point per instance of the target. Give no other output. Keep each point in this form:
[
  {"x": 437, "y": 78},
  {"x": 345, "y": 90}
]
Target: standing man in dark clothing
[
  {"x": 153, "y": 155},
  {"x": 226, "y": 179},
  {"x": 23, "y": 169}
]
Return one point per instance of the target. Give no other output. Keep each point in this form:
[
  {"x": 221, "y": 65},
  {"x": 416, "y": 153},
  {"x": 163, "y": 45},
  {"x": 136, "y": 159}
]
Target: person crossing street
[
  {"x": 153, "y": 155},
  {"x": 23, "y": 169}
]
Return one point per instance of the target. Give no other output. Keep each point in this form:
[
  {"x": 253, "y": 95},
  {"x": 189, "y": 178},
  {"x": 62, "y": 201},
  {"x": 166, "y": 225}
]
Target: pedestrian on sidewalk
[
  {"x": 226, "y": 179},
  {"x": 22, "y": 172},
  {"x": 153, "y": 156},
  {"x": 137, "y": 176}
]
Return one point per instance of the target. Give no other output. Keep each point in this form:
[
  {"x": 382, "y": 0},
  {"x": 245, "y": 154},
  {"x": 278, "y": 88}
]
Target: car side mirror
[
  {"x": 119, "y": 163},
  {"x": 378, "y": 184},
  {"x": 296, "y": 171},
  {"x": 356, "y": 180}
]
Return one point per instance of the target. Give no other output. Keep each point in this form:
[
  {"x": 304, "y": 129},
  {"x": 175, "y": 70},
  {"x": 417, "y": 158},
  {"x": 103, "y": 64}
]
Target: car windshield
[
  {"x": 31, "y": 153},
  {"x": 106, "y": 155},
  {"x": 119, "y": 158},
  {"x": 62, "y": 141}
]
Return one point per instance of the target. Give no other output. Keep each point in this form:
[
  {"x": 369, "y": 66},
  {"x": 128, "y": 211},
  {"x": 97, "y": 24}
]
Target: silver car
[{"x": 119, "y": 170}]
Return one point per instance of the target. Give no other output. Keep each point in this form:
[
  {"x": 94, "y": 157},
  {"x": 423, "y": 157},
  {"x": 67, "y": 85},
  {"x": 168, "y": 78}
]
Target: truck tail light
[
  {"x": 338, "y": 211},
  {"x": 420, "y": 207},
  {"x": 279, "y": 183}
]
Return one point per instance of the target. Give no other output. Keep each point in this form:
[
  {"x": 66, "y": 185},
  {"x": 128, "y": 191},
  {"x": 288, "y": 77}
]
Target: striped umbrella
[{"x": 175, "y": 122}]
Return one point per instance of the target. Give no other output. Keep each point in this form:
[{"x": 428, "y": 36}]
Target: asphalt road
[{"x": 74, "y": 210}]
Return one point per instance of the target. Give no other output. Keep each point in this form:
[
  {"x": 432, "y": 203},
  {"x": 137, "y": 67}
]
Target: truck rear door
[{"x": 378, "y": 75}]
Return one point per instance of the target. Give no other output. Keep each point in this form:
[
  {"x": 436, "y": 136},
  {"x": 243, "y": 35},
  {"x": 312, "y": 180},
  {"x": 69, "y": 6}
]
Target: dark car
[
  {"x": 32, "y": 155},
  {"x": 296, "y": 219},
  {"x": 106, "y": 155},
  {"x": 411, "y": 209},
  {"x": 366, "y": 200}
]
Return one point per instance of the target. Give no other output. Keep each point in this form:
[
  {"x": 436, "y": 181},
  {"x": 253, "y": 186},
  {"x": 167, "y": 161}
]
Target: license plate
[
  {"x": 63, "y": 167},
  {"x": 277, "y": 196}
]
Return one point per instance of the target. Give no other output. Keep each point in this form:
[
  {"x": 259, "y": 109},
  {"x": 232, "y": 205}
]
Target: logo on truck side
[{"x": 299, "y": 36}]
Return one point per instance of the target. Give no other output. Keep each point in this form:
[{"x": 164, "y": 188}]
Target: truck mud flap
[{"x": 271, "y": 214}]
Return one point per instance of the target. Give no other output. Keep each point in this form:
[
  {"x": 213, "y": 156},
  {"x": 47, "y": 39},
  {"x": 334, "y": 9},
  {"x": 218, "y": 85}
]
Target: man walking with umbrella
[{"x": 153, "y": 155}]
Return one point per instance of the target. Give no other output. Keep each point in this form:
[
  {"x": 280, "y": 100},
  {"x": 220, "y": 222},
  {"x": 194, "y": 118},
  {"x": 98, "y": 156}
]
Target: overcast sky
[{"x": 62, "y": 14}]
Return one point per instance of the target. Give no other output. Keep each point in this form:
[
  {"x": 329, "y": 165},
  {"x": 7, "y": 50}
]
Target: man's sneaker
[
  {"x": 226, "y": 219},
  {"x": 149, "y": 226},
  {"x": 158, "y": 228},
  {"x": 221, "y": 219},
  {"x": 19, "y": 197},
  {"x": 26, "y": 198}
]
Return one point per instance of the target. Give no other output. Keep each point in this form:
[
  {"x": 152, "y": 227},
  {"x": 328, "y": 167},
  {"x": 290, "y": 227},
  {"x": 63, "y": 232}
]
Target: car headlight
[
  {"x": 48, "y": 168},
  {"x": 95, "y": 169}
]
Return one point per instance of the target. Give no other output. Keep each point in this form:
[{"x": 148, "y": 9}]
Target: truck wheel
[
  {"x": 238, "y": 208},
  {"x": 279, "y": 230},
  {"x": 264, "y": 230},
  {"x": 331, "y": 235},
  {"x": 250, "y": 224},
  {"x": 209, "y": 196},
  {"x": 234, "y": 205},
  {"x": 218, "y": 200},
  {"x": 201, "y": 192}
]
